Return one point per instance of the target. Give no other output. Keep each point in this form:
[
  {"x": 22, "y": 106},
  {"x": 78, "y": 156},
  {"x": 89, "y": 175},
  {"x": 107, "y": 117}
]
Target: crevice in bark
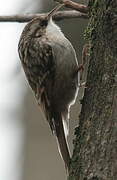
[{"x": 95, "y": 144}]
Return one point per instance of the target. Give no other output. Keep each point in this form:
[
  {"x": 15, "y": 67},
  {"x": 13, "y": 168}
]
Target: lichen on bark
[{"x": 95, "y": 143}]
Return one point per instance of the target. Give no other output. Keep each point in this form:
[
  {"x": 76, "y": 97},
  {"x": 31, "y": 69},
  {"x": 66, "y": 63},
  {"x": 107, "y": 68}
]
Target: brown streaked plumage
[{"x": 49, "y": 62}]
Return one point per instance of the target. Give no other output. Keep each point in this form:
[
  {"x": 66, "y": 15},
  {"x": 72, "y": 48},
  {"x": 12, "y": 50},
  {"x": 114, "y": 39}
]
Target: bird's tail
[
  {"x": 59, "y": 125},
  {"x": 61, "y": 138}
]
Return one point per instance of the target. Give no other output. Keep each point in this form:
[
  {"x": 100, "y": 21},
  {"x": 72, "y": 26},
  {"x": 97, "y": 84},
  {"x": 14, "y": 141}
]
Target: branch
[
  {"x": 73, "y": 5},
  {"x": 60, "y": 15}
]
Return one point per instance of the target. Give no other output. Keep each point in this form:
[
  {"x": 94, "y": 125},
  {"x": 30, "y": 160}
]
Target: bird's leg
[
  {"x": 84, "y": 60},
  {"x": 85, "y": 53},
  {"x": 83, "y": 84}
]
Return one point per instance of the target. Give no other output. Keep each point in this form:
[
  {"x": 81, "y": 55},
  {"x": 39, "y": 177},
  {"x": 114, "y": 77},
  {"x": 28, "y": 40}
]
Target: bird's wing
[
  {"x": 38, "y": 63},
  {"x": 39, "y": 68}
]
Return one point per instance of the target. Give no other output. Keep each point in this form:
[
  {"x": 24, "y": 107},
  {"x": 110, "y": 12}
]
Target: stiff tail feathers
[
  {"x": 59, "y": 126},
  {"x": 61, "y": 138}
]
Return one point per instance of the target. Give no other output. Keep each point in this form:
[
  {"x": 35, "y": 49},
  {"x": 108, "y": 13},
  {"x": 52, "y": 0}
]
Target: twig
[
  {"x": 73, "y": 5},
  {"x": 60, "y": 15}
]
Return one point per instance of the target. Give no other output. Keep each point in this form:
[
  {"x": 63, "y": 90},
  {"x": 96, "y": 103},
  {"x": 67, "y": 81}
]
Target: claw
[
  {"x": 82, "y": 85},
  {"x": 81, "y": 67}
]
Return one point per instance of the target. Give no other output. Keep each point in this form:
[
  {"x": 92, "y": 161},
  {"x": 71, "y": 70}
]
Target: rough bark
[{"x": 95, "y": 144}]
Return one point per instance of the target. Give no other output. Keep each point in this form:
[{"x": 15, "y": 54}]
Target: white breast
[{"x": 54, "y": 31}]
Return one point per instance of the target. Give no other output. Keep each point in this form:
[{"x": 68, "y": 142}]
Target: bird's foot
[{"x": 83, "y": 84}]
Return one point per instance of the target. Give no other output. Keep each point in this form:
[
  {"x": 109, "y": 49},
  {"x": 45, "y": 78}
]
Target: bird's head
[{"x": 38, "y": 25}]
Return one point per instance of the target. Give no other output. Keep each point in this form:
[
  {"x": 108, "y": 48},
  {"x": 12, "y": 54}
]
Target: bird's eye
[{"x": 44, "y": 22}]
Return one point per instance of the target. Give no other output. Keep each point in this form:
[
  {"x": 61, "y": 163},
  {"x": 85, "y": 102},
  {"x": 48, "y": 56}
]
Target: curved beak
[{"x": 53, "y": 11}]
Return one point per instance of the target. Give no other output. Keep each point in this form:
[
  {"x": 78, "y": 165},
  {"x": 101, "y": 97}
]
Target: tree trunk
[{"x": 95, "y": 144}]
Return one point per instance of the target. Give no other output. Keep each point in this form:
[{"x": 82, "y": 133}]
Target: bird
[{"x": 51, "y": 68}]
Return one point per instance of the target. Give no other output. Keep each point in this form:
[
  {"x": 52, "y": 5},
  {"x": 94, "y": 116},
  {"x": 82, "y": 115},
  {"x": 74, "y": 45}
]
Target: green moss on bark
[{"x": 95, "y": 142}]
